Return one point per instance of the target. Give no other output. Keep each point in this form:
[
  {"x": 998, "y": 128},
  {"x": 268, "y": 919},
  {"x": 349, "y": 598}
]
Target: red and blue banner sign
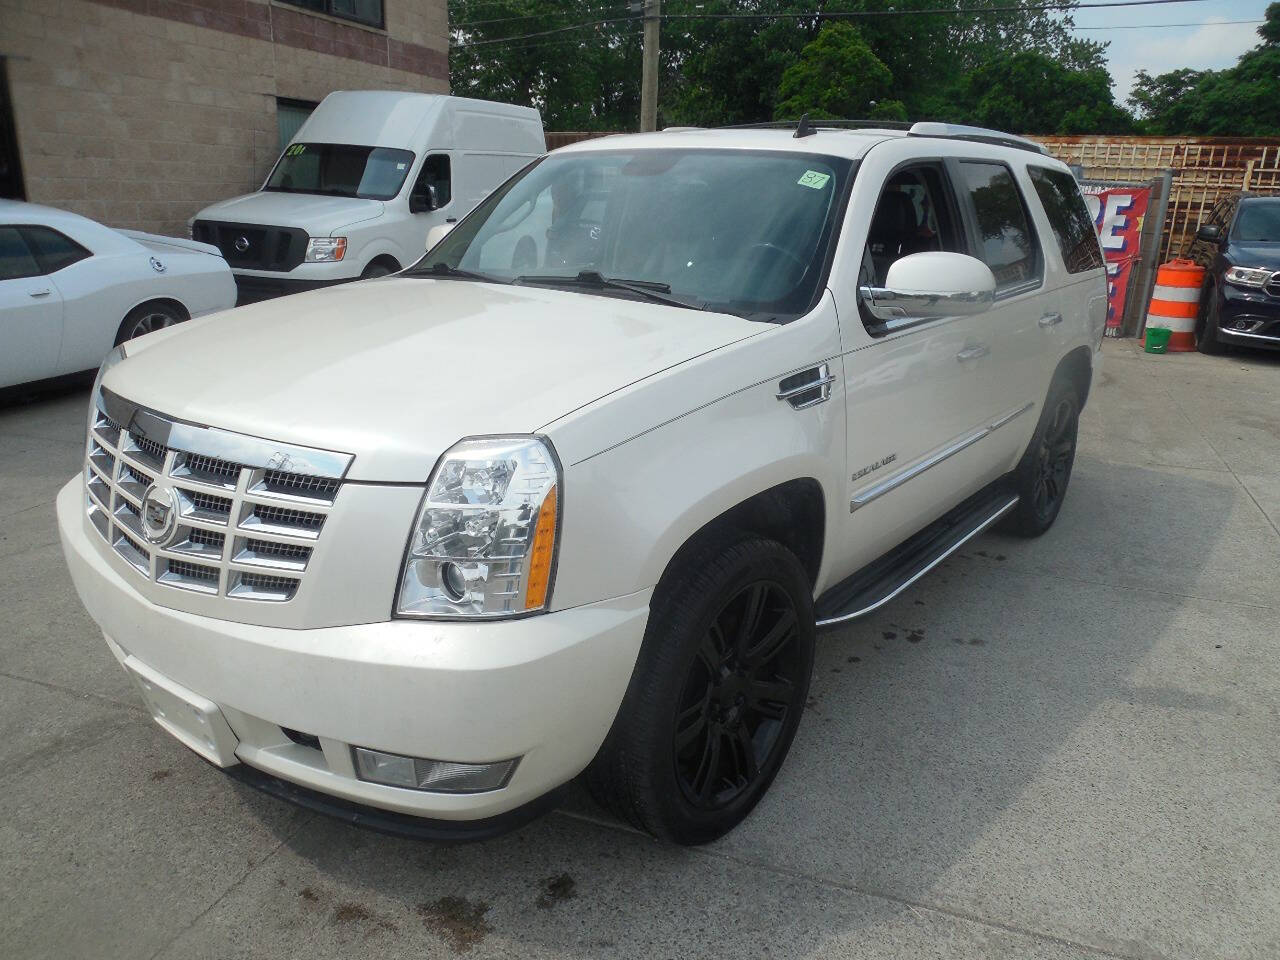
[{"x": 1118, "y": 213}]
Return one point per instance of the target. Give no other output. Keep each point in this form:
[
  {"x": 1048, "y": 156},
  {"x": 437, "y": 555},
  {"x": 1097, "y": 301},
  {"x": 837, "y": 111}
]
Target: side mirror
[
  {"x": 438, "y": 233},
  {"x": 928, "y": 286},
  {"x": 1209, "y": 233},
  {"x": 423, "y": 200}
]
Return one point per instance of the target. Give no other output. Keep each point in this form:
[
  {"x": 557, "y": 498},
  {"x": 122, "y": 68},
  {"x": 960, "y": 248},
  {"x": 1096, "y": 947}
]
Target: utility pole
[{"x": 649, "y": 74}]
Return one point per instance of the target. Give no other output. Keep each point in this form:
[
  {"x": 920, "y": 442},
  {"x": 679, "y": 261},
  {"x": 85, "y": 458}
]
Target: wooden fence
[{"x": 1203, "y": 168}]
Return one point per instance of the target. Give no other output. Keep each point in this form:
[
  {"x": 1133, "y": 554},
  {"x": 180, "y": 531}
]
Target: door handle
[
  {"x": 973, "y": 353},
  {"x": 41, "y": 293},
  {"x": 1050, "y": 319}
]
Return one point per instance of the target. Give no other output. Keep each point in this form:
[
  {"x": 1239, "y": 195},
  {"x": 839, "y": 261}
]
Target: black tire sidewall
[
  {"x": 685, "y": 604},
  {"x": 1207, "y": 339},
  {"x": 1025, "y": 520}
]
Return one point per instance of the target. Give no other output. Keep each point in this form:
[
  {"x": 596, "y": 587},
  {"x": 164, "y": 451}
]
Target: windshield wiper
[
  {"x": 442, "y": 269},
  {"x": 653, "y": 290}
]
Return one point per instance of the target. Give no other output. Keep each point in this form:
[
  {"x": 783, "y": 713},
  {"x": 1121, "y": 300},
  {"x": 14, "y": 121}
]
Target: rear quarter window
[
  {"x": 1068, "y": 218},
  {"x": 54, "y": 250}
]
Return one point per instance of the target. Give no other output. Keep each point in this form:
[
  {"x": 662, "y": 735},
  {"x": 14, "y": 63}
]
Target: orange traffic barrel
[{"x": 1176, "y": 301}]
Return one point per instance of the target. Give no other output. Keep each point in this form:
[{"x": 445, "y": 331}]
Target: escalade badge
[
  {"x": 871, "y": 468},
  {"x": 242, "y": 244},
  {"x": 159, "y": 513}
]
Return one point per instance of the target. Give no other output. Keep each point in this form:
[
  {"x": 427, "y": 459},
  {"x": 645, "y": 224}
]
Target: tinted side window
[
  {"x": 435, "y": 174},
  {"x": 913, "y": 215},
  {"x": 1069, "y": 219},
  {"x": 52, "y": 249},
  {"x": 1006, "y": 242},
  {"x": 15, "y": 259}
]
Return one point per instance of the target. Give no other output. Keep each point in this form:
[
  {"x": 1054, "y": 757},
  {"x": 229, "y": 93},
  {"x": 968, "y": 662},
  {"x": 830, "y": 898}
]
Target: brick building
[{"x": 140, "y": 112}]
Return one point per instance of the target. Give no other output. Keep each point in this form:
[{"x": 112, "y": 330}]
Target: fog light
[{"x": 437, "y": 776}]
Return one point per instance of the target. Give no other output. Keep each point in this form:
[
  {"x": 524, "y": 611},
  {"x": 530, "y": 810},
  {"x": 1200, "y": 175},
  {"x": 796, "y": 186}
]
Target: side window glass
[
  {"x": 16, "y": 260},
  {"x": 1068, "y": 217},
  {"x": 911, "y": 216},
  {"x": 434, "y": 175},
  {"x": 53, "y": 250},
  {"x": 1006, "y": 242}
]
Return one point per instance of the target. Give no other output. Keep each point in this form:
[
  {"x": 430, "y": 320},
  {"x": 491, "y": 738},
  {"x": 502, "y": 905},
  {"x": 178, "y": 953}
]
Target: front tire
[
  {"x": 378, "y": 268},
  {"x": 1208, "y": 323},
  {"x": 1042, "y": 475},
  {"x": 717, "y": 692}
]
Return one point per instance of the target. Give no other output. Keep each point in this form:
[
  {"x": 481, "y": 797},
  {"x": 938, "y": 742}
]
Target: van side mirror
[
  {"x": 1209, "y": 233},
  {"x": 423, "y": 199},
  {"x": 438, "y": 233},
  {"x": 928, "y": 286}
]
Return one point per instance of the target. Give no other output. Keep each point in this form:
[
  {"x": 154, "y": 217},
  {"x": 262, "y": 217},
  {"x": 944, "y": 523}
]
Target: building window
[
  {"x": 368, "y": 12},
  {"x": 290, "y": 115},
  {"x": 11, "y": 186}
]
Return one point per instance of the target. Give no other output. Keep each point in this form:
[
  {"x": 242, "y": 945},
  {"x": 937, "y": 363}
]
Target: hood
[
  {"x": 316, "y": 214},
  {"x": 395, "y": 371},
  {"x": 1255, "y": 255}
]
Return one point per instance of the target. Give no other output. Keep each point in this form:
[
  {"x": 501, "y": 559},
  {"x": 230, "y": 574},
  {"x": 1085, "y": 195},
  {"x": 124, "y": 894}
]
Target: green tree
[
  {"x": 1033, "y": 93},
  {"x": 836, "y": 75},
  {"x": 1238, "y": 101}
]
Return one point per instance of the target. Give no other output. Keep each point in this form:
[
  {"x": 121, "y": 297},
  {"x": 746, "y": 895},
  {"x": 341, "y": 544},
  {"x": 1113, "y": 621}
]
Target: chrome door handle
[
  {"x": 973, "y": 353},
  {"x": 41, "y": 293},
  {"x": 1050, "y": 319}
]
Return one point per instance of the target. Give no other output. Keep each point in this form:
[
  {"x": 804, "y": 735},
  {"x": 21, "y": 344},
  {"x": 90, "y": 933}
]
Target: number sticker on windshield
[{"x": 814, "y": 179}]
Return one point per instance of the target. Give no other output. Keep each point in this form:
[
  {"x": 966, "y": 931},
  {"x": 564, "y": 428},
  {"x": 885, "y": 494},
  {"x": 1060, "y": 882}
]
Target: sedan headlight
[
  {"x": 484, "y": 542},
  {"x": 1248, "y": 276},
  {"x": 326, "y": 249}
]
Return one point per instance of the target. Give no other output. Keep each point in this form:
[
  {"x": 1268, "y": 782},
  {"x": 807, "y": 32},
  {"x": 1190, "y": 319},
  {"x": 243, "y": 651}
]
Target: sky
[{"x": 1159, "y": 49}]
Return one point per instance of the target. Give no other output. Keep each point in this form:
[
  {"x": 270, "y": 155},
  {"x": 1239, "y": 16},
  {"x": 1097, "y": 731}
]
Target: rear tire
[
  {"x": 1042, "y": 475},
  {"x": 1208, "y": 324},
  {"x": 147, "y": 318},
  {"x": 717, "y": 691}
]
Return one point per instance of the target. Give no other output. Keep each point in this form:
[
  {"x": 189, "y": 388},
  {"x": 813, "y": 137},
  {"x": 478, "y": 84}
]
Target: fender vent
[{"x": 807, "y": 388}]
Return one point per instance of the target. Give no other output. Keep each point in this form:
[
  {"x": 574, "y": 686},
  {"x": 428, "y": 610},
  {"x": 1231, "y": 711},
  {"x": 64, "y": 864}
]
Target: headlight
[
  {"x": 484, "y": 541},
  {"x": 1248, "y": 276},
  {"x": 111, "y": 359},
  {"x": 326, "y": 249}
]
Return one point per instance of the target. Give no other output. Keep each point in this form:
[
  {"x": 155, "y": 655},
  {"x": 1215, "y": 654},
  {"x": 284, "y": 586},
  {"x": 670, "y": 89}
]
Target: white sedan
[{"x": 70, "y": 289}]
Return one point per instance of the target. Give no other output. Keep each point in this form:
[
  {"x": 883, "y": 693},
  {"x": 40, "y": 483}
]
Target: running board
[{"x": 880, "y": 581}]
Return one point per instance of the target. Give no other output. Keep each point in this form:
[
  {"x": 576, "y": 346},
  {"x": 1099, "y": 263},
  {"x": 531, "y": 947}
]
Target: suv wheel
[
  {"x": 1041, "y": 477},
  {"x": 716, "y": 695},
  {"x": 1208, "y": 323}
]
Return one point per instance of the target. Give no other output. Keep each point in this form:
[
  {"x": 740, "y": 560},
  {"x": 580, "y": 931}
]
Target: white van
[{"x": 356, "y": 190}]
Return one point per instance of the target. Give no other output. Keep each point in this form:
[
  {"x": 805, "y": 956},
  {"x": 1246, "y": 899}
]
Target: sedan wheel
[{"x": 148, "y": 318}]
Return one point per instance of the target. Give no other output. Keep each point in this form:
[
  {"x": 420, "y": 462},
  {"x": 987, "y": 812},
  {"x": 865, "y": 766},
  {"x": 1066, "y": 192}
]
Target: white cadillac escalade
[{"x": 577, "y": 491}]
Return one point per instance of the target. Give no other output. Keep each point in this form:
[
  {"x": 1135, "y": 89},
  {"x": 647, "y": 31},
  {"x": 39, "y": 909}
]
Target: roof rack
[
  {"x": 958, "y": 131},
  {"x": 818, "y": 125}
]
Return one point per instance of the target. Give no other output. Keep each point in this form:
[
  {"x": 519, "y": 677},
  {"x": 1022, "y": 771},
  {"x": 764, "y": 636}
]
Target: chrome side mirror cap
[
  {"x": 438, "y": 233},
  {"x": 929, "y": 286}
]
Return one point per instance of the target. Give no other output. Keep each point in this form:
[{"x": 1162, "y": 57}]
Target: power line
[
  {"x": 1162, "y": 26},
  {"x": 612, "y": 8},
  {"x": 859, "y": 14}
]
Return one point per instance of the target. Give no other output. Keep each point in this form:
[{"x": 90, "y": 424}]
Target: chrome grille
[{"x": 247, "y": 531}]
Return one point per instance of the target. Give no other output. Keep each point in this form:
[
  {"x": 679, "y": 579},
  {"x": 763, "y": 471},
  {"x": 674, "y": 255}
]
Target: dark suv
[{"x": 1239, "y": 245}]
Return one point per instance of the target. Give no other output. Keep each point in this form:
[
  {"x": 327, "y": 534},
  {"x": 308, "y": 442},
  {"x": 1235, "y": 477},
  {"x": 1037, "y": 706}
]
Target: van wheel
[
  {"x": 1041, "y": 477},
  {"x": 716, "y": 695},
  {"x": 148, "y": 318}
]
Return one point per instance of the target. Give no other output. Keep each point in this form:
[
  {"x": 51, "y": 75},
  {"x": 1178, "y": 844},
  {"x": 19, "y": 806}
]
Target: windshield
[
  {"x": 340, "y": 170},
  {"x": 728, "y": 230},
  {"x": 1258, "y": 222}
]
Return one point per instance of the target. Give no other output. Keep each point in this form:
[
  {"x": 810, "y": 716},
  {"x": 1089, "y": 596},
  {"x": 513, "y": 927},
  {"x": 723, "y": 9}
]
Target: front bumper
[
  {"x": 1249, "y": 317},
  {"x": 253, "y": 288},
  {"x": 544, "y": 689}
]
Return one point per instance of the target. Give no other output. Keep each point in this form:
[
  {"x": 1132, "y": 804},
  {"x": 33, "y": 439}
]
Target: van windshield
[
  {"x": 341, "y": 170},
  {"x": 736, "y": 231}
]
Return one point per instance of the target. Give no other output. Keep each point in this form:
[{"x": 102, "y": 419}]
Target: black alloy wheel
[
  {"x": 738, "y": 696},
  {"x": 717, "y": 691},
  {"x": 1054, "y": 457}
]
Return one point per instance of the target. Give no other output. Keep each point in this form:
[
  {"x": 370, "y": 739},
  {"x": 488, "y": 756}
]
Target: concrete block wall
[{"x": 138, "y": 113}]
